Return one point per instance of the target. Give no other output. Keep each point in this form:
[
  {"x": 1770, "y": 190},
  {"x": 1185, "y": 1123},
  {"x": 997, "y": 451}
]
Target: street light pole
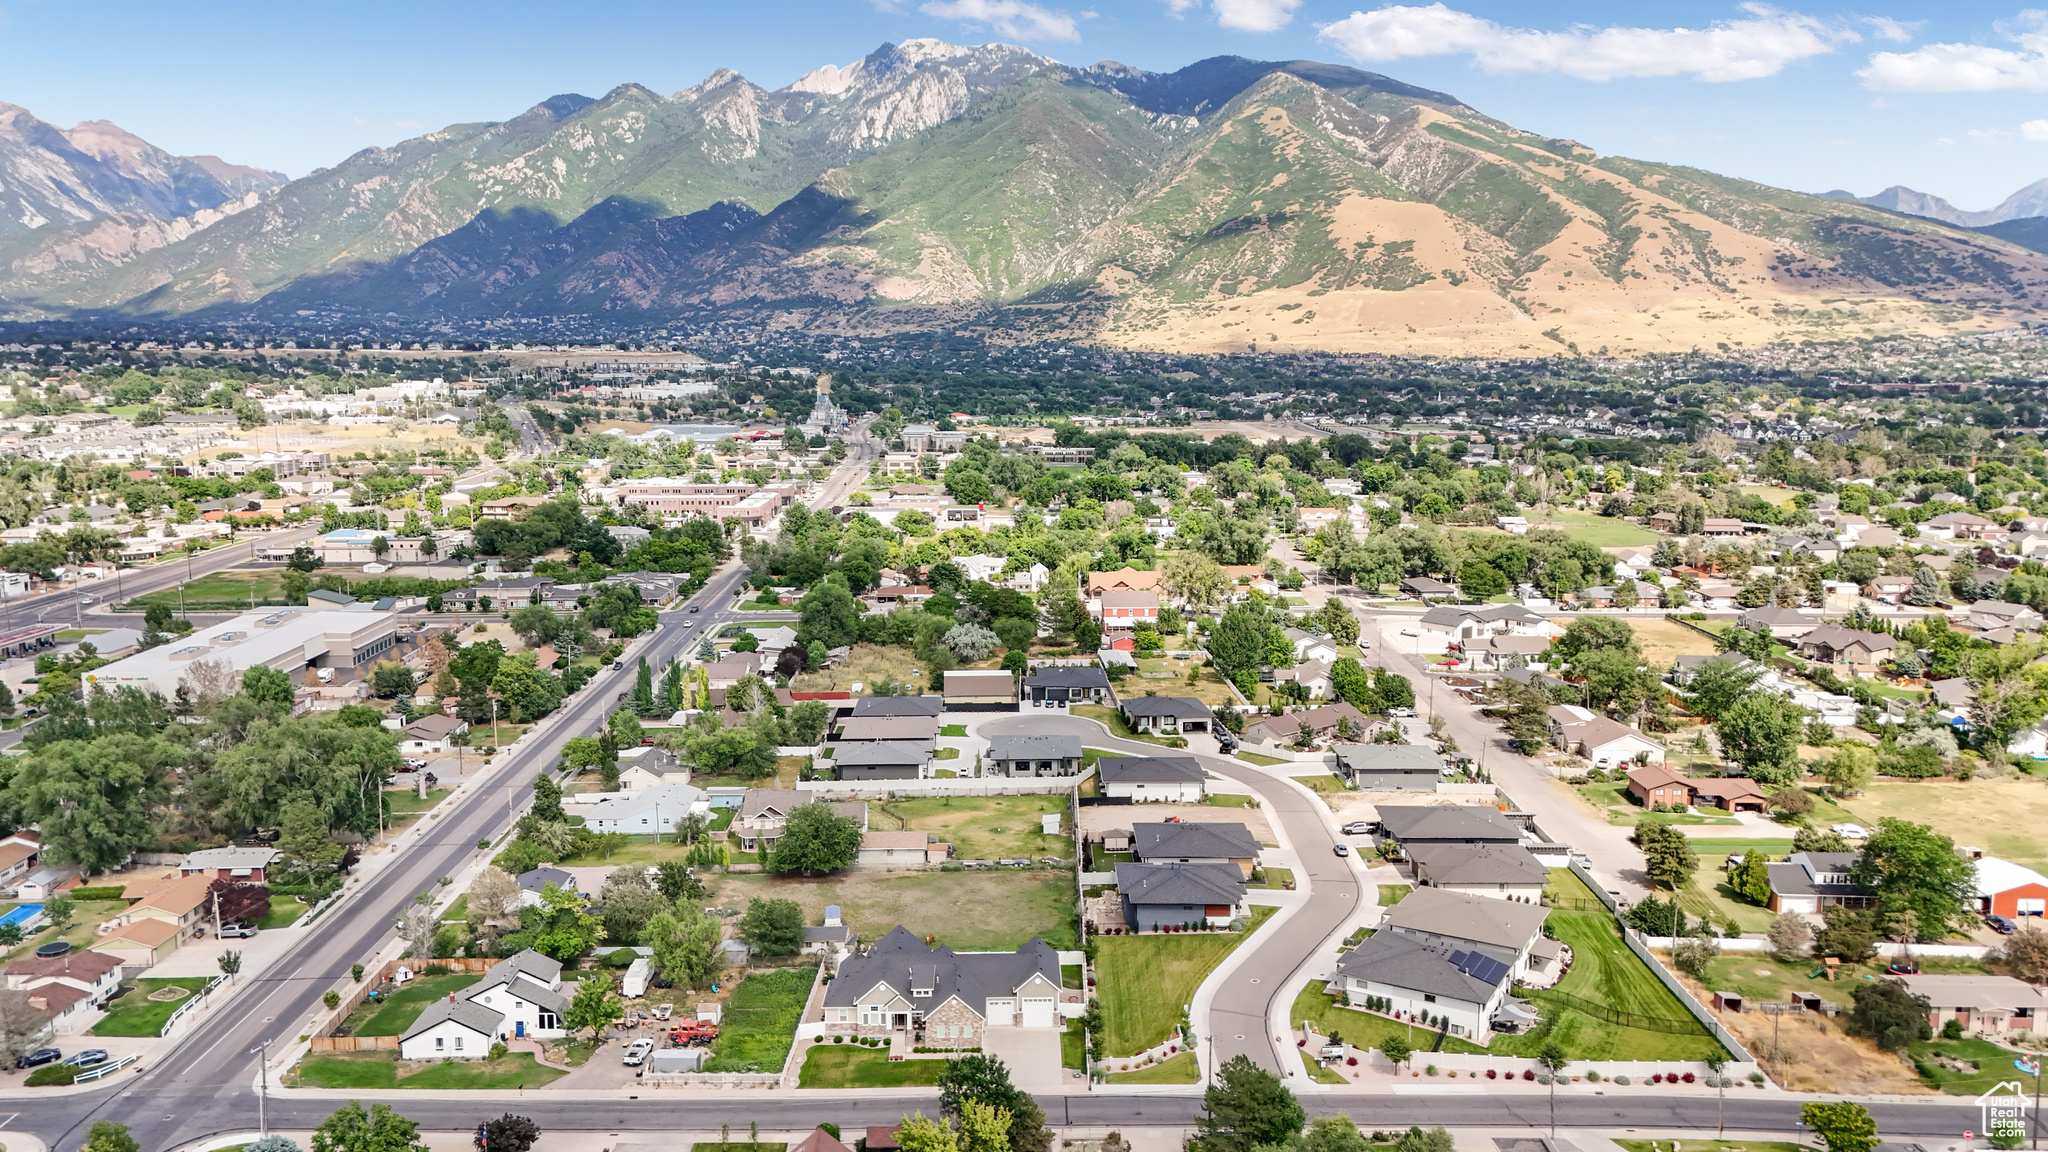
[{"x": 263, "y": 1090}]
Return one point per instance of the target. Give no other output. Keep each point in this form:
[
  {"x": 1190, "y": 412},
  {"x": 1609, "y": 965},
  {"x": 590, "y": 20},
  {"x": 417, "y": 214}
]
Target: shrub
[
  {"x": 839, "y": 1039},
  {"x": 1430, "y": 1071},
  {"x": 1528, "y": 1074},
  {"x": 109, "y": 892},
  {"x": 1592, "y": 1076},
  {"x": 331, "y": 998},
  {"x": 355, "y": 972},
  {"x": 52, "y": 1074},
  {"x": 621, "y": 958},
  {"x": 1621, "y": 1080},
  {"x": 830, "y": 1128}
]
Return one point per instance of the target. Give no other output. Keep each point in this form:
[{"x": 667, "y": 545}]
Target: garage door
[{"x": 1039, "y": 1013}]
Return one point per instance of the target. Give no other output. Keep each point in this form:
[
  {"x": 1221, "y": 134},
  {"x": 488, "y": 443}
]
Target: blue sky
[{"x": 1951, "y": 100}]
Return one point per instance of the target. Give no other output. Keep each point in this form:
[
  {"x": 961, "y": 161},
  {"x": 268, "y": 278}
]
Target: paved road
[
  {"x": 129, "y": 583},
  {"x": 1249, "y": 1000}
]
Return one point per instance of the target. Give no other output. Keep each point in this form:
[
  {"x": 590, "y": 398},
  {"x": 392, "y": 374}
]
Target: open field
[
  {"x": 846, "y": 1066},
  {"x": 231, "y": 590},
  {"x": 2006, "y": 817},
  {"x": 970, "y": 911},
  {"x": 385, "y": 1070},
  {"x": 1662, "y": 639},
  {"x": 981, "y": 827},
  {"x": 869, "y": 665},
  {"x": 1803, "y": 1052},
  {"x": 760, "y": 1022},
  {"x": 1599, "y": 531},
  {"x": 1145, "y": 982},
  {"x": 1168, "y": 676},
  {"x": 135, "y": 1014}
]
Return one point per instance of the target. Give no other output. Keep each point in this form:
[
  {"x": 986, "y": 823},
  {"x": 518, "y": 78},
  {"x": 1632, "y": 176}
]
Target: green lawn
[
  {"x": 1331, "y": 1018},
  {"x": 1392, "y": 894},
  {"x": 1994, "y": 1066},
  {"x": 953, "y": 730},
  {"x": 380, "y": 1070},
  {"x": 1180, "y": 1069},
  {"x": 1073, "y": 1049},
  {"x": 1146, "y": 981},
  {"x": 1070, "y": 976},
  {"x": 994, "y": 911},
  {"x": 1255, "y": 758},
  {"x": 79, "y": 933},
  {"x": 396, "y": 1012},
  {"x": 1320, "y": 781},
  {"x": 406, "y": 801},
  {"x": 1612, "y": 799},
  {"x": 1599, "y": 531},
  {"x": 760, "y": 1021},
  {"x": 1114, "y": 721},
  {"x": 847, "y": 1066},
  {"x": 1276, "y": 878},
  {"x": 135, "y": 1014},
  {"x": 1605, "y": 972},
  {"x": 284, "y": 912},
  {"x": 1230, "y": 800}
]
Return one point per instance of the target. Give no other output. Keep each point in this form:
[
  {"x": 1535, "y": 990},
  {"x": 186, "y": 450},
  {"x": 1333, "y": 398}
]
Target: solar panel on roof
[{"x": 1481, "y": 967}]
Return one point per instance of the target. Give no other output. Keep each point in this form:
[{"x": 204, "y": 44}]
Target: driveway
[
  {"x": 1032, "y": 1055},
  {"x": 1252, "y": 992},
  {"x": 1560, "y": 811}
]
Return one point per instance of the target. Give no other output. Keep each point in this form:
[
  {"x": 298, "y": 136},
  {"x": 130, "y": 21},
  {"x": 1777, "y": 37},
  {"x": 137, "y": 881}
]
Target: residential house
[
  {"x": 899, "y": 706},
  {"x": 1781, "y": 623},
  {"x": 1685, "y": 668},
  {"x": 1321, "y": 723},
  {"x": 1888, "y": 589},
  {"x": 94, "y": 977},
  {"x": 535, "y": 881},
  {"x": 2010, "y": 890},
  {"x": 976, "y": 691},
  {"x": 245, "y": 864},
  {"x": 765, "y": 811},
  {"x": 1168, "y": 779},
  {"x": 180, "y": 901},
  {"x": 1729, "y": 793},
  {"x": 1424, "y": 587},
  {"x": 1172, "y": 896},
  {"x": 1508, "y": 931},
  {"x": 1498, "y": 871},
  {"x": 1852, "y": 648},
  {"x": 1033, "y": 754},
  {"x": 1993, "y": 614},
  {"x": 1501, "y": 653},
  {"x": 1120, "y": 580},
  {"x": 898, "y": 849},
  {"x": 1123, "y": 611},
  {"x": 1446, "y": 626},
  {"x": 1390, "y": 767},
  {"x": 1993, "y": 1005},
  {"x": 733, "y": 668},
  {"x": 938, "y": 998},
  {"x": 923, "y": 730},
  {"x": 1721, "y": 526},
  {"x": 1432, "y": 824},
  {"x": 1465, "y": 987},
  {"x": 1656, "y": 786},
  {"x": 882, "y": 759},
  {"x": 1312, "y": 675},
  {"x": 1167, "y": 715},
  {"x": 1071, "y": 684},
  {"x": 1309, "y": 646},
  {"x": 143, "y": 944},
  {"x": 1811, "y": 881},
  {"x": 831, "y": 938},
  {"x": 1603, "y": 741},
  {"x": 1957, "y": 526},
  {"x": 645, "y": 766},
  {"x": 1195, "y": 842},
  {"x": 18, "y": 855},
  {"x": 429, "y": 735},
  {"x": 520, "y": 997},
  {"x": 656, "y": 810}
]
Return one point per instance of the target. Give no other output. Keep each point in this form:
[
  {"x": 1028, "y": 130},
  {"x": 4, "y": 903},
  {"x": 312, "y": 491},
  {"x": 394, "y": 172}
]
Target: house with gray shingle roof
[
  {"x": 903, "y": 985},
  {"x": 1034, "y": 754},
  {"x": 1156, "y": 896},
  {"x": 1155, "y": 778},
  {"x": 451, "y": 1029},
  {"x": 1195, "y": 842}
]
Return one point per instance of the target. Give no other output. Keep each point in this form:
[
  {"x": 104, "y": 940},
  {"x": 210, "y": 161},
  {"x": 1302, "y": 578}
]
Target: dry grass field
[{"x": 2007, "y": 818}]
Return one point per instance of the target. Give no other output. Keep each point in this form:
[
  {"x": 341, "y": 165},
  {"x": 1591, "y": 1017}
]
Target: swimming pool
[{"x": 22, "y": 914}]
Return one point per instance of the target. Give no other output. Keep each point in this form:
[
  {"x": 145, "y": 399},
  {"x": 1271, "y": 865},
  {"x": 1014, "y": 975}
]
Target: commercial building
[{"x": 329, "y": 645}]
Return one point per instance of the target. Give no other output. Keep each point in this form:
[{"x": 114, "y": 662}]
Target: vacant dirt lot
[
  {"x": 1351, "y": 806},
  {"x": 1811, "y": 1053},
  {"x": 1662, "y": 640},
  {"x": 1097, "y": 819}
]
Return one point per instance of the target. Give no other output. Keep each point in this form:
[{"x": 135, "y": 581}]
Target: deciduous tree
[
  {"x": 1915, "y": 870},
  {"x": 687, "y": 945},
  {"x": 1843, "y": 1127},
  {"x": 816, "y": 840},
  {"x": 1245, "y": 1108},
  {"x": 773, "y": 926},
  {"x": 352, "y": 1128}
]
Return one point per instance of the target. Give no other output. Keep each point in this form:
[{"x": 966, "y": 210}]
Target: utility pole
[{"x": 263, "y": 1089}]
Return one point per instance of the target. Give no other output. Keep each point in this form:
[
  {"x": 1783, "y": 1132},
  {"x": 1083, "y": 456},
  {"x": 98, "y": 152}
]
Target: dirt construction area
[
  {"x": 1098, "y": 819},
  {"x": 1809, "y": 1052},
  {"x": 1349, "y": 806}
]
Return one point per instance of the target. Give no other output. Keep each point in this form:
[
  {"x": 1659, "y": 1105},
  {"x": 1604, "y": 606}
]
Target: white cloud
[
  {"x": 1897, "y": 31},
  {"x": 1179, "y": 8},
  {"x": 1256, "y": 15},
  {"x": 2035, "y": 131},
  {"x": 1991, "y": 137},
  {"x": 1760, "y": 44},
  {"x": 1968, "y": 67},
  {"x": 1013, "y": 18}
]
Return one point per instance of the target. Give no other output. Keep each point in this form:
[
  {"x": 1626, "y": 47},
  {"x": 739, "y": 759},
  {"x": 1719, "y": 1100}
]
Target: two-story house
[
  {"x": 520, "y": 997},
  {"x": 936, "y": 997}
]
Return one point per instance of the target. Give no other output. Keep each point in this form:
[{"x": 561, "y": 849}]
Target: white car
[
  {"x": 636, "y": 1053},
  {"x": 1410, "y": 632},
  {"x": 1851, "y": 831},
  {"x": 1402, "y": 713}
]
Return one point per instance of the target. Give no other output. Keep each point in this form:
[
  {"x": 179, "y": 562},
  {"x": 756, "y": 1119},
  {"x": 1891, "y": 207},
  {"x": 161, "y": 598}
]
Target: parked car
[
  {"x": 1343, "y": 849},
  {"x": 2001, "y": 925},
  {"x": 1402, "y": 713},
  {"x": 40, "y": 1057},
  {"x": 618, "y": 664},
  {"x": 1358, "y": 828},
  {"x": 238, "y": 930},
  {"x": 415, "y": 762},
  {"x": 88, "y": 1058},
  {"x": 636, "y": 1052},
  {"x": 1850, "y": 831}
]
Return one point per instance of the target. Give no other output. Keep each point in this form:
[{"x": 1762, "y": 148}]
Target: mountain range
[{"x": 992, "y": 193}]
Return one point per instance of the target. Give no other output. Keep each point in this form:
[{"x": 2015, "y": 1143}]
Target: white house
[
  {"x": 644, "y": 766},
  {"x": 451, "y": 1029},
  {"x": 1167, "y": 779},
  {"x": 525, "y": 990},
  {"x": 648, "y": 812},
  {"x": 1451, "y": 954},
  {"x": 429, "y": 735}
]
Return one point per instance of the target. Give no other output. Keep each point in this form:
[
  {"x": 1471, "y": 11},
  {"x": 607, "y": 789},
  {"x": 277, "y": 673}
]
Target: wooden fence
[{"x": 324, "y": 1039}]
